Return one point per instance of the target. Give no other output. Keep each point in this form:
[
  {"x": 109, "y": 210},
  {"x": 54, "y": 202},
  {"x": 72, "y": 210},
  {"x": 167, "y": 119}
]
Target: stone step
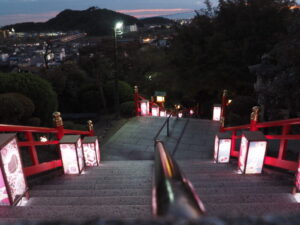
[
  {"x": 207, "y": 183},
  {"x": 88, "y": 193},
  {"x": 252, "y": 209},
  {"x": 94, "y": 181},
  {"x": 102, "y": 178},
  {"x": 131, "y": 171},
  {"x": 238, "y": 177},
  {"x": 221, "y": 198},
  {"x": 243, "y": 190},
  {"x": 82, "y": 212},
  {"x": 102, "y": 186},
  {"x": 91, "y": 200}
]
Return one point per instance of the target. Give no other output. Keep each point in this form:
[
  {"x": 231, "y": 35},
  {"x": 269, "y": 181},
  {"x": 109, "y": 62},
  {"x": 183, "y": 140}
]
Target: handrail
[
  {"x": 31, "y": 143},
  {"x": 173, "y": 194},
  {"x": 280, "y": 161},
  {"x": 167, "y": 122}
]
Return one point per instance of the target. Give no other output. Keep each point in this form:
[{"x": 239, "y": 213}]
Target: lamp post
[{"x": 118, "y": 30}]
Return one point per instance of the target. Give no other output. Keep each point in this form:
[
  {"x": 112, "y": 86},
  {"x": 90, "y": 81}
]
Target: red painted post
[
  {"x": 58, "y": 123},
  {"x": 223, "y": 110},
  {"x": 32, "y": 150},
  {"x": 283, "y": 143},
  {"x": 233, "y": 142},
  {"x": 254, "y": 118},
  {"x": 136, "y": 100},
  {"x": 91, "y": 128}
]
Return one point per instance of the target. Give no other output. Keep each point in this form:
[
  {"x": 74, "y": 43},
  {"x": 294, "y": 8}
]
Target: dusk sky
[{"x": 13, "y": 11}]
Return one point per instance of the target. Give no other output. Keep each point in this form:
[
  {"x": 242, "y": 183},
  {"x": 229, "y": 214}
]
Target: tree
[
  {"x": 67, "y": 80},
  {"x": 33, "y": 87}
]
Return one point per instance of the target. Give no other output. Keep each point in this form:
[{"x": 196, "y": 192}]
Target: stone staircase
[
  {"x": 224, "y": 192},
  {"x": 114, "y": 190}
]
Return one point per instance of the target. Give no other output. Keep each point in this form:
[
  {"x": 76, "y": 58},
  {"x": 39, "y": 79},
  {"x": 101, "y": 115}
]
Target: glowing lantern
[
  {"x": 71, "y": 154},
  {"x": 180, "y": 114},
  {"x": 252, "y": 152},
  {"x": 155, "y": 110},
  {"x": 160, "y": 96},
  {"x": 222, "y": 148},
  {"x": 191, "y": 112},
  {"x": 12, "y": 180},
  {"x": 163, "y": 113},
  {"x": 217, "y": 113},
  {"x": 144, "y": 107},
  {"x": 91, "y": 151}
]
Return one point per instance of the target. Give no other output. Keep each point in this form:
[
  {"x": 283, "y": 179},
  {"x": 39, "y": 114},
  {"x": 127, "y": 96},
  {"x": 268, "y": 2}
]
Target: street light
[{"x": 118, "y": 30}]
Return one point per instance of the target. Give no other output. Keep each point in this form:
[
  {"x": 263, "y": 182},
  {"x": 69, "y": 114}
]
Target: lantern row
[{"x": 75, "y": 155}]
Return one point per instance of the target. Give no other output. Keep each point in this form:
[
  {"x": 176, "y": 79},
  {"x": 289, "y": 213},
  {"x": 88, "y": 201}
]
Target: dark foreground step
[
  {"x": 82, "y": 212},
  {"x": 252, "y": 209}
]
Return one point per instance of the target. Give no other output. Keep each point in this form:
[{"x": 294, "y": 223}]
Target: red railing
[
  {"x": 30, "y": 135},
  {"x": 280, "y": 161}
]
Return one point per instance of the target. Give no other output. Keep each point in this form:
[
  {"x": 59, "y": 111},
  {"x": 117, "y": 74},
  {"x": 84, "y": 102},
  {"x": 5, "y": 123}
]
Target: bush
[
  {"x": 90, "y": 99},
  {"x": 125, "y": 92},
  {"x": 73, "y": 126},
  {"x": 15, "y": 108},
  {"x": 240, "y": 109},
  {"x": 33, "y": 87},
  {"x": 127, "y": 108}
]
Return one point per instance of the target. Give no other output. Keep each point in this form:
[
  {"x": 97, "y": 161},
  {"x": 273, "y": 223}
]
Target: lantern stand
[
  {"x": 222, "y": 147},
  {"x": 252, "y": 152},
  {"x": 72, "y": 154},
  {"x": 13, "y": 184}
]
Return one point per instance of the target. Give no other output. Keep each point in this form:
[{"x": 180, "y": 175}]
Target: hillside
[
  {"x": 93, "y": 21},
  {"x": 156, "y": 21}
]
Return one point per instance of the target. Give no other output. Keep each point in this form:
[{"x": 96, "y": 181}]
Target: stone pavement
[{"x": 189, "y": 139}]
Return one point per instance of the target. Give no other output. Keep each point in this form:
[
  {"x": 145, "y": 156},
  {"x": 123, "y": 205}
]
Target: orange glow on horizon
[{"x": 152, "y": 10}]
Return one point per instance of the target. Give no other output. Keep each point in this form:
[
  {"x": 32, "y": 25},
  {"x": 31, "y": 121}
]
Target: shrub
[
  {"x": 73, "y": 126},
  {"x": 90, "y": 99},
  {"x": 33, "y": 87},
  {"x": 125, "y": 92},
  {"x": 15, "y": 108},
  {"x": 127, "y": 108}
]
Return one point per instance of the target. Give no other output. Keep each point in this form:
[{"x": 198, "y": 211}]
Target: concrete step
[
  {"x": 82, "y": 212},
  {"x": 103, "y": 186},
  {"x": 95, "y": 181},
  {"x": 243, "y": 190},
  {"x": 249, "y": 197},
  {"x": 88, "y": 193},
  {"x": 91, "y": 200},
  {"x": 207, "y": 183},
  {"x": 252, "y": 209},
  {"x": 102, "y": 178}
]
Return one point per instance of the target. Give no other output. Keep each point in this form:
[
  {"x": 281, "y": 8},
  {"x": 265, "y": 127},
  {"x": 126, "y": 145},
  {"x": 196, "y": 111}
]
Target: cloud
[
  {"x": 20, "y": 18},
  {"x": 140, "y": 13}
]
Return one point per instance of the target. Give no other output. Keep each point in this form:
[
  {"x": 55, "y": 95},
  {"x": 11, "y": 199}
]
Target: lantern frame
[
  {"x": 217, "y": 117},
  {"x": 76, "y": 141},
  {"x": 5, "y": 140},
  {"x": 156, "y": 108},
  {"x": 92, "y": 140},
  {"x": 250, "y": 136},
  {"x": 218, "y": 138},
  {"x": 146, "y": 102}
]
